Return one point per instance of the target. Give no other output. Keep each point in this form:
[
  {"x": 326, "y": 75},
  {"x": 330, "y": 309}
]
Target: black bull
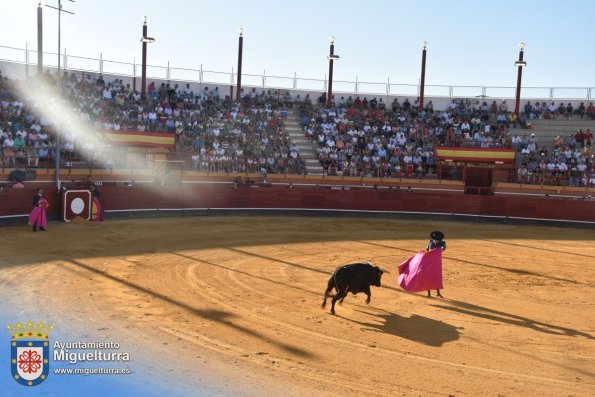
[{"x": 354, "y": 278}]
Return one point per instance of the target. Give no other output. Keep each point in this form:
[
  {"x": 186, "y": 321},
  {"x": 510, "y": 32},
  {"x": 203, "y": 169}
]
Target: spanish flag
[
  {"x": 475, "y": 154},
  {"x": 139, "y": 138}
]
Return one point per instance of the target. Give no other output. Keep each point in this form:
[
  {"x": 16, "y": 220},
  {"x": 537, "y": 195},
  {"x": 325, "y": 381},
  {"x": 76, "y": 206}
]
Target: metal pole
[
  {"x": 518, "y": 82},
  {"x": 329, "y": 94},
  {"x": 143, "y": 80},
  {"x": 59, "y": 99},
  {"x": 59, "y": 86},
  {"x": 134, "y": 74},
  {"x": 231, "y": 86},
  {"x": 423, "y": 78},
  {"x": 26, "y": 61},
  {"x": 39, "y": 39},
  {"x": 240, "y": 53}
]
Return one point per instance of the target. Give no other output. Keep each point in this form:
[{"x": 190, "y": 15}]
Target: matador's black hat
[{"x": 436, "y": 235}]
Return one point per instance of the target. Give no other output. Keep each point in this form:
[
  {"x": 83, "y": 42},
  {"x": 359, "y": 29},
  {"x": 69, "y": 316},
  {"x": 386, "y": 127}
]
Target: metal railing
[{"x": 28, "y": 57}]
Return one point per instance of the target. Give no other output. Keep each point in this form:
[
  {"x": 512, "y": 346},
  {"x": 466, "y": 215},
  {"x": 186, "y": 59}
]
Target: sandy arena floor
[{"x": 238, "y": 299}]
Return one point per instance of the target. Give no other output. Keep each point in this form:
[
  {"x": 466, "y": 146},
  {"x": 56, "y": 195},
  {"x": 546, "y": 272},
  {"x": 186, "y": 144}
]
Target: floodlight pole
[
  {"x": 145, "y": 40},
  {"x": 520, "y": 63},
  {"x": 423, "y": 77},
  {"x": 331, "y": 57},
  {"x": 240, "y": 53},
  {"x": 57, "y": 159},
  {"x": 143, "y": 80},
  {"x": 39, "y": 39}
]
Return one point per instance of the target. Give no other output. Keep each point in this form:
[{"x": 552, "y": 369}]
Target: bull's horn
[{"x": 385, "y": 271}]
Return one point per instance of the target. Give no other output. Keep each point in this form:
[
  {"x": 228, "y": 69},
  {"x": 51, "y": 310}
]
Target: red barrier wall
[
  {"x": 20, "y": 201},
  {"x": 188, "y": 196}
]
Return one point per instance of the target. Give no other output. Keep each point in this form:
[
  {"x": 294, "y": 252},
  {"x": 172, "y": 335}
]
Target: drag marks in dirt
[
  {"x": 512, "y": 319},
  {"x": 416, "y": 328},
  {"x": 526, "y": 246},
  {"x": 485, "y": 265},
  {"x": 224, "y": 293},
  {"x": 222, "y": 317}
]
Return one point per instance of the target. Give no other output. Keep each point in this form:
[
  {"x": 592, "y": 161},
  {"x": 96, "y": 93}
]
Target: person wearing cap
[{"x": 436, "y": 241}]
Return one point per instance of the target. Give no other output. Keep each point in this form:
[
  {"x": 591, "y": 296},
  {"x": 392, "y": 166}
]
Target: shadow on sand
[
  {"x": 496, "y": 315},
  {"x": 219, "y": 316},
  {"x": 120, "y": 237},
  {"x": 500, "y": 268},
  {"x": 416, "y": 328}
]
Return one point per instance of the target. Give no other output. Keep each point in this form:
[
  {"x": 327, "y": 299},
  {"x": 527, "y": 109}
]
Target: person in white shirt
[
  {"x": 21, "y": 134},
  {"x": 188, "y": 91},
  {"x": 107, "y": 93},
  {"x": 69, "y": 146},
  {"x": 152, "y": 117},
  {"x": 8, "y": 142},
  {"x": 465, "y": 127},
  {"x": 8, "y": 149},
  {"x": 552, "y": 108},
  {"x": 522, "y": 173}
]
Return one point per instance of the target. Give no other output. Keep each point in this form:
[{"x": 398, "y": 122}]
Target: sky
[{"x": 470, "y": 42}]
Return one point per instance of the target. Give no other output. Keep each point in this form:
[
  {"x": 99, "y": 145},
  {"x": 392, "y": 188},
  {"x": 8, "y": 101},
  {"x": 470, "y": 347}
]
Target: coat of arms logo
[{"x": 29, "y": 352}]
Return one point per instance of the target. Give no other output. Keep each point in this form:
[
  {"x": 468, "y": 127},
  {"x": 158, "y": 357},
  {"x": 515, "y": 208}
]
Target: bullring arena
[
  {"x": 228, "y": 207},
  {"x": 238, "y": 297}
]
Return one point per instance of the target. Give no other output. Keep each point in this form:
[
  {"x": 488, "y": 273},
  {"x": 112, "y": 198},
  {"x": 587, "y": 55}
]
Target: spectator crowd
[
  {"x": 212, "y": 133},
  {"x": 368, "y": 138},
  {"x": 354, "y": 136}
]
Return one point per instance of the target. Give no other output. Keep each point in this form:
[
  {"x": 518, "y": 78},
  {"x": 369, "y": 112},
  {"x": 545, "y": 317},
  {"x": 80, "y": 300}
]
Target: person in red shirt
[
  {"x": 588, "y": 141},
  {"x": 580, "y": 138},
  {"x": 357, "y": 103},
  {"x": 581, "y": 110},
  {"x": 591, "y": 111}
]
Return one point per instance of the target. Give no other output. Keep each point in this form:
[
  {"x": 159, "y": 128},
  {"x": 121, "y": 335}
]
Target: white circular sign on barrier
[{"x": 77, "y": 205}]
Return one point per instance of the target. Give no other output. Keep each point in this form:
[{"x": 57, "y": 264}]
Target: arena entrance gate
[{"x": 480, "y": 167}]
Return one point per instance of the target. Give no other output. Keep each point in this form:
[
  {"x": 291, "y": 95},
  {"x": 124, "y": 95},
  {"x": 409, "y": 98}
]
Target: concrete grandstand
[{"x": 285, "y": 130}]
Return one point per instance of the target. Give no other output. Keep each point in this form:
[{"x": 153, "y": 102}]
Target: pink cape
[
  {"x": 37, "y": 216},
  {"x": 422, "y": 272},
  {"x": 96, "y": 210}
]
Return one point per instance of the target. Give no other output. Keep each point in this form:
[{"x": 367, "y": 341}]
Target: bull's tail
[{"x": 327, "y": 293}]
